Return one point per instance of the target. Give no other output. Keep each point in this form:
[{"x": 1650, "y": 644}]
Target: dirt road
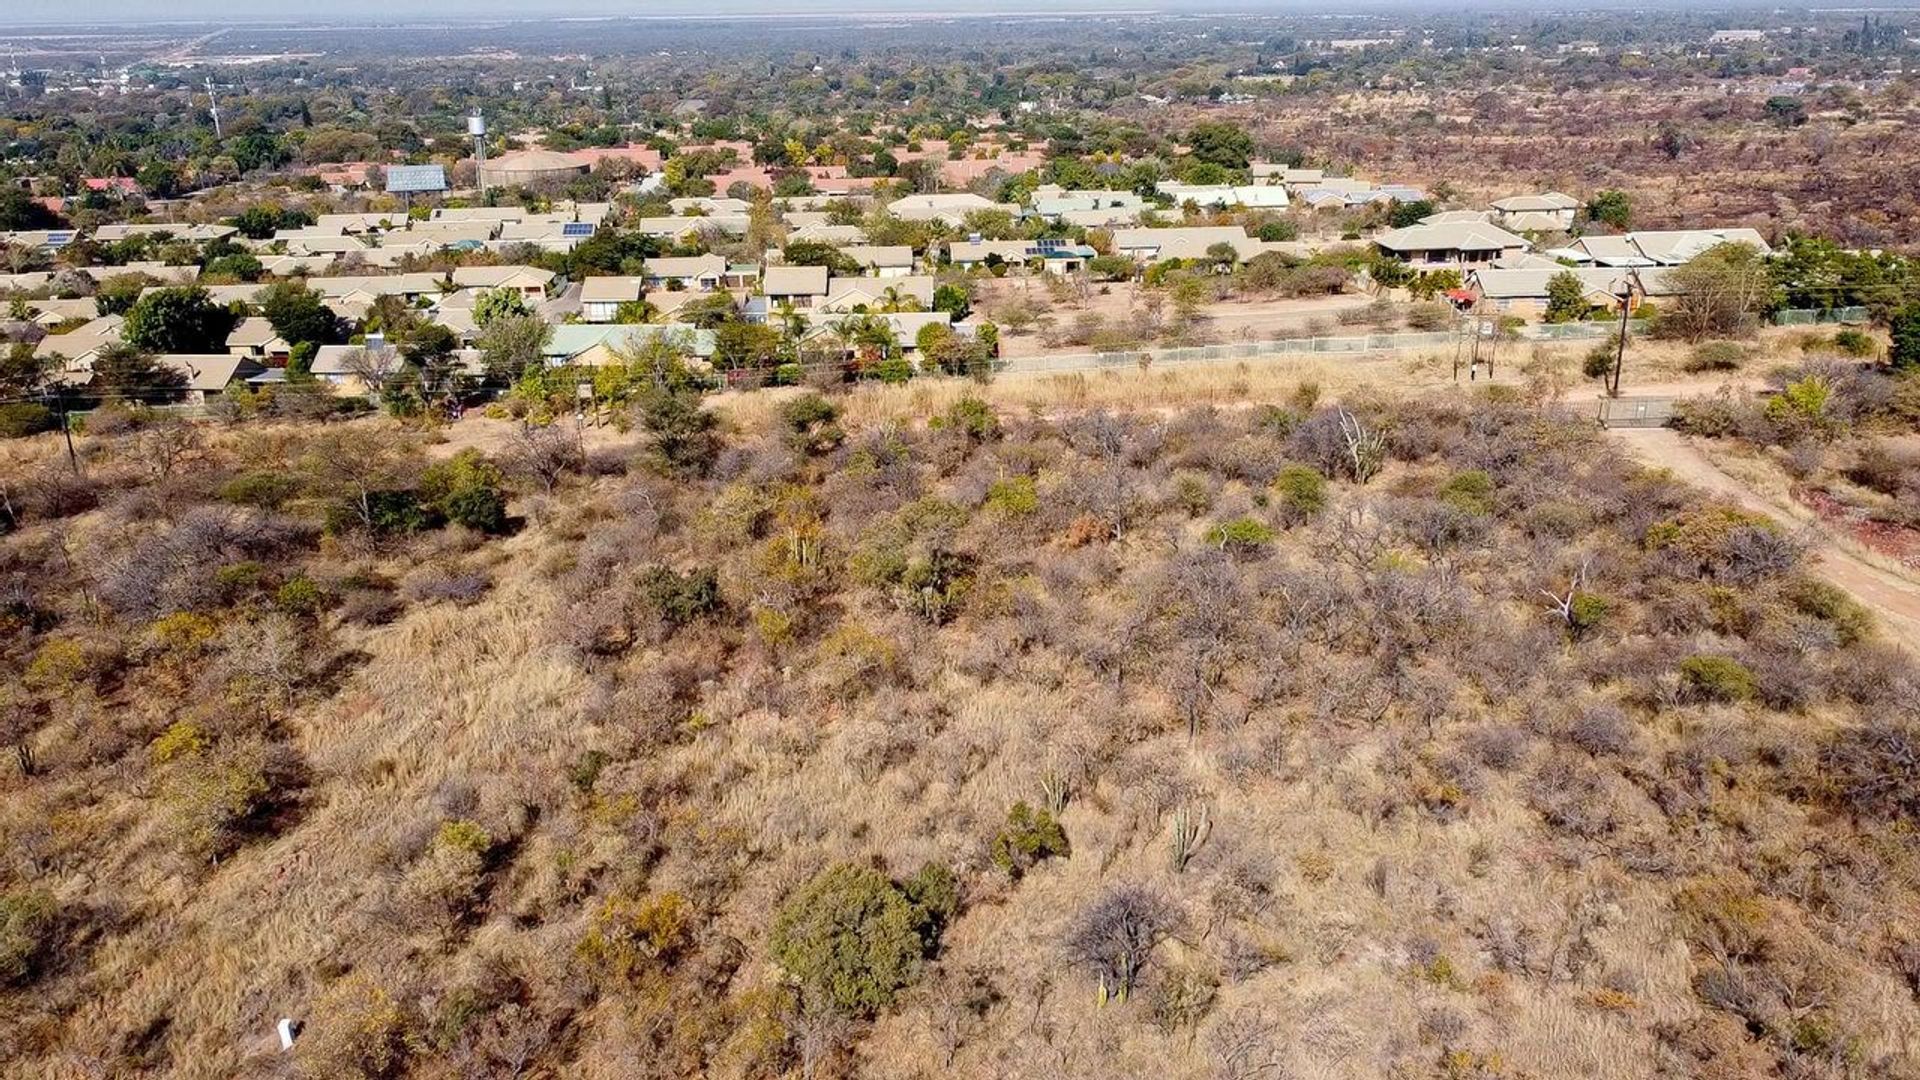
[{"x": 1893, "y": 597}]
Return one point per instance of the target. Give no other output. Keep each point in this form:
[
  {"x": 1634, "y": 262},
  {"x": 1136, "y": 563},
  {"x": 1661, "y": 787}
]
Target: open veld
[{"x": 1387, "y": 736}]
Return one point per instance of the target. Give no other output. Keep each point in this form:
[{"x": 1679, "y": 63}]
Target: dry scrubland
[{"x": 1492, "y": 755}]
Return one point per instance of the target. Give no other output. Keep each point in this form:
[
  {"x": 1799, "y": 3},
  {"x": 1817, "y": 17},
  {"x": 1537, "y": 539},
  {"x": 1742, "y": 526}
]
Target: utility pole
[
  {"x": 213, "y": 106},
  {"x": 1620, "y": 351},
  {"x": 66, "y": 427}
]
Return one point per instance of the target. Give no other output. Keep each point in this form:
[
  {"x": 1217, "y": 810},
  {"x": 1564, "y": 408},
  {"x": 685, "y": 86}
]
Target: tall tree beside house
[
  {"x": 300, "y": 314},
  {"x": 1610, "y": 208},
  {"x": 1719, "y": 293},
  {"x": 125, "y": 373},
  {"x": 510, "y": 345},
  {"x": 1566, "y": 298},
  {"x": 497, "y": 304},
  {"x": 1404, "y": 214},
  {"x": 178, "y": 320}
]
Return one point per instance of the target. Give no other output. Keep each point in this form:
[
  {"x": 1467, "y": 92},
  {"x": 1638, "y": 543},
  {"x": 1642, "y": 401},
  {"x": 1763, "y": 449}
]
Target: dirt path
[{"x": 1893, "y": 597}]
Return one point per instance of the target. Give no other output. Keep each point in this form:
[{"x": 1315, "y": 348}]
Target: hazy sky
[{"x": 150, "y": 11}]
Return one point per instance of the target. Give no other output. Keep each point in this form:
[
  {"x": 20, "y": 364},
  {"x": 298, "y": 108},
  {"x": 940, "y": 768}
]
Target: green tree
[
  {"x": 299, "y": 314},
  {"x": 1566, "y": 298},
  {"x": 1404, "y": 214},
  {"x": 498, "y": 304},
  {"x": 465, "y": 490},
  {"x": 850, "y": 938},
  {"x": 821, "y": 253},
  {"x": 117, "y": 294},
  {"x": 1610, "y": 208},
  {"x": 680, "y": 432},
  {"x": 739, "y": 345},
  {"x": 1223, "y": 144},
  {"x": 509, "y": 346},
  {"x": 124, "y": 373},
  {"x": 178, "y": 320},
  {"x": 1904, "y": 351}
]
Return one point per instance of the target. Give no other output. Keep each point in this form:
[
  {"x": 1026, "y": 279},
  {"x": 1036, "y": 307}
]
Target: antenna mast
[{"x": 213, "y": 106}]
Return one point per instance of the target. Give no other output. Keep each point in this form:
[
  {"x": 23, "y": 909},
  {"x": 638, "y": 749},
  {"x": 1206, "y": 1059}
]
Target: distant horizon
[{"x": 41, "y": 14}]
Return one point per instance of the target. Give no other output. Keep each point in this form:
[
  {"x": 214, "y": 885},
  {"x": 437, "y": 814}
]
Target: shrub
[
  {"x": 1029, "y": 837},
  {"x": 629, "y": 936},
  {"x": 182, "y": 739},
  {"x": 1853, "y": 342},
  {"x": 971, "y": 417},
  {"x": 21, "y": 419},
  {"x": 1873, "y": 769},
  {"x": 1852, "y": 623},
  {"x": 301, "y": 596},
  {"x": 1716, "y": 678},
  {"x": 1241, "y": 536},
  {"x": 266, "y": 490},
  {"x": 1585, "y": 613},
  {"x": 680, "y": 598},
  {"x": 28, "y": 918},
  {"x": 1470, "y": 492},
  {"x": 1301, "y": 491},
  {"x": 1014, "y": 496},
  {"x": 1115, "y": 937},
  {"x": 463, "y": 835},
  {"x": 850, "y": 938},
  {"x": 1716, "y": 356},
  {"x": 465, "y": 490}
]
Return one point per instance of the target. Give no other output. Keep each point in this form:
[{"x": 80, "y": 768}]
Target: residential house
[
  {"x": 823, "y": 233},
  {"x": 1459, "y": 246},
  {"x": 1524, "y": 292},
  {"x": 951, "y": 208},
  {"x": 110, "y": 234},
  {"x": 684, "y": 229},
  {"x": 1549, "y": 211},
  {"x": 883, "y": 261},
  {"x": 51, "y": 313},
  {"x": 530, "y": 282},
  {"x": 702, "y": 272},
  {"x": 800, "y": 287},
  {"x": 209, "y": 376},
  {"x": 1184, "y": 242},
  {"x": 256, "y": 339},
  {"x": 1668, "y": 247},
  {"x": 1111, "y": 207},
  {"x": 1052, "y": 256},
  {"x": 601, "y": 297},
  {"x": 586, "y": 345},
  {"x": 1251, "y": 196},
  {"x": 692, "y": 205},
  {"x": 78, "y": 347},
  {"x": 158, "y": 271},
  {"x": 339, "y": 365},
  {"x": 849, "y": 294}
]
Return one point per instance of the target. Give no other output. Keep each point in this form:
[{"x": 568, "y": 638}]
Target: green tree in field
[
  {"x": 178, "y": 320},
  {"x": 1904, "y": 352},
  {"x": 1404, "y": 214},
  {"x": 1223, "y": 144},
  {"x": 1566, "y": 298},
  {"x": 850, "y": 938}
]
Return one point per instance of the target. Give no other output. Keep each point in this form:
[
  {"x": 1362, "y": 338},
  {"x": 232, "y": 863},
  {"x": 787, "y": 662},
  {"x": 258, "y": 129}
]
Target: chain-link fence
[{"x": 1853, "y": 316}]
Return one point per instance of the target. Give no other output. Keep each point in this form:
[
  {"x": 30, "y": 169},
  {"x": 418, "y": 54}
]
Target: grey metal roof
[{"x": 408, "y": 179}]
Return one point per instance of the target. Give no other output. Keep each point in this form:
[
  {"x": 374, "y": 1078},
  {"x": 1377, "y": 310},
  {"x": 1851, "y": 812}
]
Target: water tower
[{"x": 477, "y": 128}]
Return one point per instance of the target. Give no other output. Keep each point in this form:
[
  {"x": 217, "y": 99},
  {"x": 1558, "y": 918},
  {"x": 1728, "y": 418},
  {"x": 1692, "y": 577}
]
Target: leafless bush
[
  {"x": 1601, "y": 730},
  {"x": 452, "y": 584},
  {"x": 1115, "y": 936}
]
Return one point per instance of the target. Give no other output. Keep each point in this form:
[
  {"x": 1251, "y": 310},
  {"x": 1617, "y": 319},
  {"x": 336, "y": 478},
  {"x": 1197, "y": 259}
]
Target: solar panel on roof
[
  {"x": 59, "y": 239},
  {"x": 577, "y": 228},
  {"x": 408, "y": 179}
]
